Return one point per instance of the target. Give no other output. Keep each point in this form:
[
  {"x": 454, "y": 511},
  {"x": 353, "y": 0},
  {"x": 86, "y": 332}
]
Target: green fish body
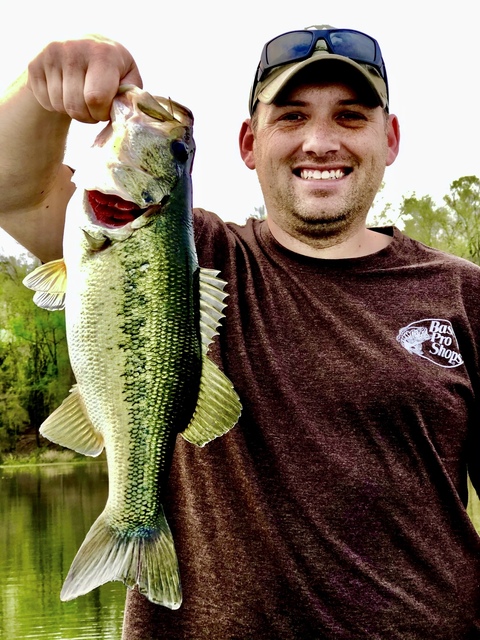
[{"x": 140, "y": 316}]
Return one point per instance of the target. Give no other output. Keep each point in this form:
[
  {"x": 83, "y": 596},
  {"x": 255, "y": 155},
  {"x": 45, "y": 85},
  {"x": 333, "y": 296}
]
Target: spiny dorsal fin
[
  {"x": 49, "y": 281},
  {"x": 69, "y": 426},
  {"x": 218, "y": 407},
  {"x": 212, "y": 304}
]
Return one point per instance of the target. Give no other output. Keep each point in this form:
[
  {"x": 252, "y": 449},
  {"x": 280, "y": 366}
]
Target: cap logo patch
[{"x": 433, "y": 339}]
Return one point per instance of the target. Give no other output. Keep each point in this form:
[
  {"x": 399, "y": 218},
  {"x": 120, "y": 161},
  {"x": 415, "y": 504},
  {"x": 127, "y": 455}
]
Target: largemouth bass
[{"x": 140, "y": 317}]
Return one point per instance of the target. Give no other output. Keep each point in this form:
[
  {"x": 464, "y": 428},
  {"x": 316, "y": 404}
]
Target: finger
[
  {"x": 100, "y": 87},
  {"x": 132, "y": 77},
  {"x": 38, "y": 84},
  {"x": 56, "y": 77},
  {"x": 109, "y": 66}
]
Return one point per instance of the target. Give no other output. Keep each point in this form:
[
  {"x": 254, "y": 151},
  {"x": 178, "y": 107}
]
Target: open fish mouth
[{"x": 111, "y": 210}]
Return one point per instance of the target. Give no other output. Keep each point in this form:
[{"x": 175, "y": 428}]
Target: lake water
[{"x": 45, "y": 512}]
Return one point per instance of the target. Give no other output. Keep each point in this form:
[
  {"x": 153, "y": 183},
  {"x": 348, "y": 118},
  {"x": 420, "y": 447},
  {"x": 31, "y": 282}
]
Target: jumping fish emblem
[
  {"x": 412, "y": 338},
  {"x": 140, "y": 317}
]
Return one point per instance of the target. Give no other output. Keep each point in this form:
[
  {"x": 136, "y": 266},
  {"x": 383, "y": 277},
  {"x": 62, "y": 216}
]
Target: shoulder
[
  {"x": 208, "y": 223},
  {"x": 216, "y": 238},
  {"x": 426, "y": 255},
  {"x": 441, "y": 275}
]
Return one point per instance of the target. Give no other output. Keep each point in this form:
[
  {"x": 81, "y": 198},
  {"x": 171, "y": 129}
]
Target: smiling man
[{"x": 335, "y": 509}]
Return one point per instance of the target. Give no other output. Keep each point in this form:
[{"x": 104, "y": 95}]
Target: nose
[{"x": 320, "y": 137}]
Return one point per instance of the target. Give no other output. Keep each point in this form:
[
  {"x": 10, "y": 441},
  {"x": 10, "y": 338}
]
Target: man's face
[{"x": 320, "y": 154}]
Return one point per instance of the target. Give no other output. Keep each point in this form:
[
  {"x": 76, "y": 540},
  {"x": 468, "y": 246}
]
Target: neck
[{"x": 362, "y": 242}]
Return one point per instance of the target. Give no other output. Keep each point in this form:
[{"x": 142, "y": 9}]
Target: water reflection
[{"x": 45, "y": 513}]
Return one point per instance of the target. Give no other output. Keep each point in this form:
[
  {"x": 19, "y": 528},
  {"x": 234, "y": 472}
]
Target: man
[{"x": 336, "y": 508}]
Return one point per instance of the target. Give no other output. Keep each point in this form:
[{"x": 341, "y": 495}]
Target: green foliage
[
  {"x": 453, "y": 227},
  {"x": 260, "y": 213},
  {"x": 35, "y": 372}
]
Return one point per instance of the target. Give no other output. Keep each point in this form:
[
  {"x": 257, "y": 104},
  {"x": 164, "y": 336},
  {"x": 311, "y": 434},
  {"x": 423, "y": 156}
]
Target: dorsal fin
[
  {"x": 212, "y": 296},
  {"x": 218, "y": 406}
]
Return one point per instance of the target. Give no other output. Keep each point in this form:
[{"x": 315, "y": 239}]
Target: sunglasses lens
[
  {"x": 288, "y": 48},
  {"x": 299, "y": 45},
  {"x": 353, "y": 45},
  {"x": 296, "y": 45}
]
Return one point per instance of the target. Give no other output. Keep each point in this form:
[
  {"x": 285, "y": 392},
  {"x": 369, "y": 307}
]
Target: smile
[{"x": 317, "y": 174}]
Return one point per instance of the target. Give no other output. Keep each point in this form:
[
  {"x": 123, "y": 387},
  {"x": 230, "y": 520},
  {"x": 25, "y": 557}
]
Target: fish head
[{"x": 135, "y": 165}]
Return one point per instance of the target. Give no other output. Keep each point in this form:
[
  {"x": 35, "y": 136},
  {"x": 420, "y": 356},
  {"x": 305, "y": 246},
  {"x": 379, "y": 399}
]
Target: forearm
[
  {"x": 32, "y": 144},
  {"x": 34, "y": 184}
]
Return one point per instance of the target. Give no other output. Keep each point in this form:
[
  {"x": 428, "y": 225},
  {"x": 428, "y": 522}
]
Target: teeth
[{"x": 316, "y": 174}]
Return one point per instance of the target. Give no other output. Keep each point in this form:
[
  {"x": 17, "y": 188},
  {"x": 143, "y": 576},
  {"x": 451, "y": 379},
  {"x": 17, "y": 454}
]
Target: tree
[
  {"x": 452, "y": 227},
  {"x": 35, "y": 372}
]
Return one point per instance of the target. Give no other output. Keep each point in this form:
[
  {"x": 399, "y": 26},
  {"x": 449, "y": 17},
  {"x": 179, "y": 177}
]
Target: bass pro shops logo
[{"x": 432, "y": 339}]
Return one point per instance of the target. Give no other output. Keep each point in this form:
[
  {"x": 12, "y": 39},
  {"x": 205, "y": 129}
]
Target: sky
[{"x": 203, "y": 54}]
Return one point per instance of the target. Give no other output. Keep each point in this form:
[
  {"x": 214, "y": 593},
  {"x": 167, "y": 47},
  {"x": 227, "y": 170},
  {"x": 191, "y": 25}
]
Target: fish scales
[
  {"x": 164, "y": 342},
  {"x": 140, "y": 317}
]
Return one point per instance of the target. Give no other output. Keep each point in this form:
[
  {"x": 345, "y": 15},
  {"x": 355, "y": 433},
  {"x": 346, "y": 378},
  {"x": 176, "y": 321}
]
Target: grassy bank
[
  {"x": 45, "y": 456},
  {"x": 40, "y": 456}
]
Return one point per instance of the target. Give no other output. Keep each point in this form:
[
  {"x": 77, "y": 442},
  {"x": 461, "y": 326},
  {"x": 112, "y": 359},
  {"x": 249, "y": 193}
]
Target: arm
[{"x": 75, "y": 79}]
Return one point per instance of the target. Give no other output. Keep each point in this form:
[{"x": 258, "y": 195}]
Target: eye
[
  {"x": 351, "y": 117},
  {"x": 179, "y": 150},
  {"x": 292, "y": 116}
]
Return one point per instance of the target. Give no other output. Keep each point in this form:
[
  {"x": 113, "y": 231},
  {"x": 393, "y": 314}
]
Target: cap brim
[{"x": 277, "y": 79}]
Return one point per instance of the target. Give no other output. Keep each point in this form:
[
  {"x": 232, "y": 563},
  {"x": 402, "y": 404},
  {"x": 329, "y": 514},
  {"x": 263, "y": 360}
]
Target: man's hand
[{"x": 80, "y": 78}]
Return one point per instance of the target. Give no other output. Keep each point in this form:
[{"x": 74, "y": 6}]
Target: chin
[{"x": 323, "y": 228}]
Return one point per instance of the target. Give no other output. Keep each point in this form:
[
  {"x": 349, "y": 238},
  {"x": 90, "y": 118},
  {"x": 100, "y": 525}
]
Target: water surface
[{"x": 45, "y": 512}]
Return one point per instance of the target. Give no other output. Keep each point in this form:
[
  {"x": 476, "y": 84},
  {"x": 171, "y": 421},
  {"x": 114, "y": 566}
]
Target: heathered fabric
[{"x": 335, "y": 509}]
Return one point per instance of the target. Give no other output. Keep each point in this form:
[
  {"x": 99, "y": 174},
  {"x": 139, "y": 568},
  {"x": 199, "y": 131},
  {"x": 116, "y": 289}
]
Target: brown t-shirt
[{"x": 335, "y": 509}]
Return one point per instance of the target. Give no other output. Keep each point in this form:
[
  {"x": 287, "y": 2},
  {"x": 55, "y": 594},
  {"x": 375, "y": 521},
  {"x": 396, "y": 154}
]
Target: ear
[
  {"x": 393, "y": 136},
  {"x": 246, "y": 141}
]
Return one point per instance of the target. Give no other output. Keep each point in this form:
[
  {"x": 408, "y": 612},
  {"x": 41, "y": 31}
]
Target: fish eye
[{"x": 179, "y": 150}]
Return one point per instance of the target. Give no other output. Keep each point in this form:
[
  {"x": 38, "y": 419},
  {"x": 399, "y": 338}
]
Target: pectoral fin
[
  {"x": 218, "y": 406},
  {"x": 69, "y": 426},
  {"x": 49, "y": 281}
]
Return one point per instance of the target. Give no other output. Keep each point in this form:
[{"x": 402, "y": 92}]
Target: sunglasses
[{"x": 295, "y": 46}]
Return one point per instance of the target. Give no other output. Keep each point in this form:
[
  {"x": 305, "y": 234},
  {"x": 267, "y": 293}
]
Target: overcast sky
[{"x": 204, "y": 54}]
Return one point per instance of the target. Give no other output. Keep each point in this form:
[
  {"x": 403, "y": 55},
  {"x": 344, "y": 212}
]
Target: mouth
[
  {"x": 322, "y": 174},
  {"x": 111, "y": 210}
]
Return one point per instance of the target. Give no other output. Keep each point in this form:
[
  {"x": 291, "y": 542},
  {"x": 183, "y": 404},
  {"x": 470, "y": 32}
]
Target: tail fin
[{"x": 144, "y": 558}]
